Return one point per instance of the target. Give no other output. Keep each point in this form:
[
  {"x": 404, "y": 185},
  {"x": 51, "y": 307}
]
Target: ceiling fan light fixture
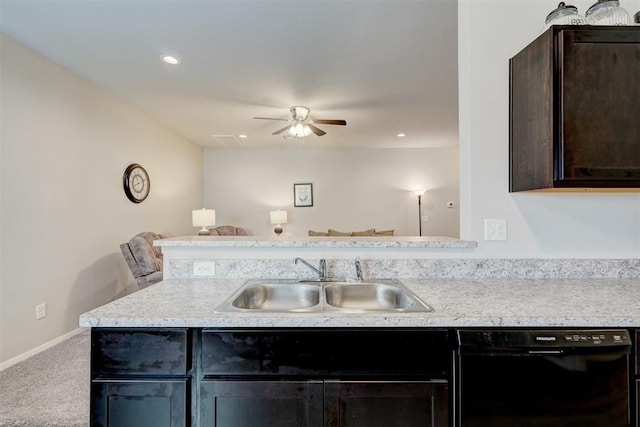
[{"x": 299, "y": 130}]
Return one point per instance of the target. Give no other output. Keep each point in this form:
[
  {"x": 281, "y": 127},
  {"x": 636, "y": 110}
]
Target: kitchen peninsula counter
[{"x": 491, "y": 302}]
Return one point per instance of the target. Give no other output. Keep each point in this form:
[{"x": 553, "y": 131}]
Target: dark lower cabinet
[
  {"x": 384, "y": 404},
  {"x": 139, "y": 403},
  {"x": 638, "y": 403},
  {"x": 323, "y": 377},
  {"x": 261, "y": 403},
  {"x": 637, "y": 377},
  {"x": 330, "y": 403},
  {"x": 179, "y": 377},
  {"x": 140, "y": 377}
]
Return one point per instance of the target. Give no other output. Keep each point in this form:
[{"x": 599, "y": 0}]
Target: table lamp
[
  {"x": 278, "y": 218},
  {"x": 203, "y": 218}
]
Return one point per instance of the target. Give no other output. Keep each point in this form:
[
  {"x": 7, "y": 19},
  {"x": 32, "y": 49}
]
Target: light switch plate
[{"x": 495, "y": 229}]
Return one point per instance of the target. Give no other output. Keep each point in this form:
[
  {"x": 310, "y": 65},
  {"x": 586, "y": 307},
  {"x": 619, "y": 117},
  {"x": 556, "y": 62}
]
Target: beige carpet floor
[{"x": 50, "y": 389}]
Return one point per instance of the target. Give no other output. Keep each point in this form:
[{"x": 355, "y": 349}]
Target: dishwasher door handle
[{"x": 546, "y": 352}]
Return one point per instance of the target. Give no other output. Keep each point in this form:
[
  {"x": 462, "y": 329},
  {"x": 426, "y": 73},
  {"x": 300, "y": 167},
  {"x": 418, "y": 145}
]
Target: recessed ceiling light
[
  {"x": 171, "y": 60},
  {"x": 242, "y": 136},
  {"x": 401, "y": 135}
]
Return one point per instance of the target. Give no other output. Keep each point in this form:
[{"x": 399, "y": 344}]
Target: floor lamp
[{"x": 419, "y": 193}]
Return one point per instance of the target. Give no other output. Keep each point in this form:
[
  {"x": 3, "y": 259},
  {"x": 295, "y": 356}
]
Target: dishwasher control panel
[
  {"x": 599, "y": 338},
  {"x": 526, "y": 340}
]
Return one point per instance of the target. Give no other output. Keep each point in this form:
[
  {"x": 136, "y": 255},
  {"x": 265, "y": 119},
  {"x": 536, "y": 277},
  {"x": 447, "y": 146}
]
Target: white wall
[
  {"x": 65, "y": 145},
  {"x": 353, "y": 189},
  {"x": 559, "y": 225}
]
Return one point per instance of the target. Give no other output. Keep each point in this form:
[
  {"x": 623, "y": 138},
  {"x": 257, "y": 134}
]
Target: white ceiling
[{"x": 385, "y": 66}]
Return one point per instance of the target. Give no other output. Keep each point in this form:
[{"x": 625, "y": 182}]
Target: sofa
[
  {"x": 144, "y": 259},
  {"x": 370, "y": 232}
]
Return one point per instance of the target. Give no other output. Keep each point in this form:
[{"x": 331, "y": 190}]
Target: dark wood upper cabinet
[{"x": 574, "y": 106}]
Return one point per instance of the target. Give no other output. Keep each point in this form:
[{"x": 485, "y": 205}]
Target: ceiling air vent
[{"x": 227, "y": 140}]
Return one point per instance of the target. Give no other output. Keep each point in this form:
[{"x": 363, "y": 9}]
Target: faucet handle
[{"x": 323, "y": 268}]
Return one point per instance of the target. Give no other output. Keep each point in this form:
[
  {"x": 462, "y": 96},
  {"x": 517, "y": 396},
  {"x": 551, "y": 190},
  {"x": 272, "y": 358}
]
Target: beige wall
[
  {"x": 65, "y": 145},
  {"x": 353, "y": 189}
]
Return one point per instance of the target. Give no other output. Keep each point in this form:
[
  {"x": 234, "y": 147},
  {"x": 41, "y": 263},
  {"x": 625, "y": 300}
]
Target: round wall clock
[{"x": 136, "y": 183}]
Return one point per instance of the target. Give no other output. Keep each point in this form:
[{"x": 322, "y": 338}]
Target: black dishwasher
[{"x": 543, "y": 378}]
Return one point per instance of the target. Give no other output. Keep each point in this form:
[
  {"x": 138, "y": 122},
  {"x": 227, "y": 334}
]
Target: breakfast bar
[{"x": 209, "y": 345}]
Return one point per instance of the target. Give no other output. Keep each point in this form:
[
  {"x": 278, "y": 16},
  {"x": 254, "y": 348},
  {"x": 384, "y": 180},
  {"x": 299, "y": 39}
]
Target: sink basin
[
  {"x": 307, "y": 296},
  {"x": 367, "y": 296},
  {"x": 276, "y": 297},
  {"x": 372, "y": 297}
]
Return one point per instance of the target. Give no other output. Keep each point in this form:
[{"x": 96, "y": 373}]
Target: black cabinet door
[
  {"x": 386, "y": 404},
  {"x": 638, "y": 403},
  {"x": 139, "y": 403},
  {"x": 638, "y": 353},
  {"x": 140, "y": 352},
  {"x": 261, "y": 403}
]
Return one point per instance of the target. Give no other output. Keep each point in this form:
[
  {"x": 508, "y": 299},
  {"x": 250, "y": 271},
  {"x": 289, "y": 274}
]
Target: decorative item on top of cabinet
[{"x": 574, "y": 110}]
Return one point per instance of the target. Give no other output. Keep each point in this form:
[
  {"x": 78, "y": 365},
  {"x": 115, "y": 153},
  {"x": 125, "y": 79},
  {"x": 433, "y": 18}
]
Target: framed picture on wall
[{"x": 302, "y": 195}]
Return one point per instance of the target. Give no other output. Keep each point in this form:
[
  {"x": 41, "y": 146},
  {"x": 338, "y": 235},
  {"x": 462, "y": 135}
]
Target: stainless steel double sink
[{"x": 300, "y": 296}]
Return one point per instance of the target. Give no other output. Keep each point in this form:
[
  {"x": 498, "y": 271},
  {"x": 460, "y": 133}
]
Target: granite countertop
[
  {"x": 316, "y": 242},
  {"x": 457, "y": 303}
]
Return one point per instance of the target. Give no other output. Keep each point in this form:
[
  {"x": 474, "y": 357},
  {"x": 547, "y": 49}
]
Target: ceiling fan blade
[
  {"x": 330, "y": 122},
  {"x": 279, "y": 131},
  {"x": 315, "y": 130},
  {"x": 271, "y": 118}
]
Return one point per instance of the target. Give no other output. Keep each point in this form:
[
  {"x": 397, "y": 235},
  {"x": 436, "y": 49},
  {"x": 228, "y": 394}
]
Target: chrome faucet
[
  {"x": 358, "y": 269},
  {"x": 321, "y": 270}
]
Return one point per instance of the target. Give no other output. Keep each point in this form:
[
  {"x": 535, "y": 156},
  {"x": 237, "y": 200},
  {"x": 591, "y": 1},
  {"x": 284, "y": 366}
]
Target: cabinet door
[
  {"x": 638, "y": 403},
  {"x": 638, "y": 353},
  {"x": 599, "y": 81},
  {"x": 261, "y": 403},
  {"x": 386, "y": 404},
  {"x": 119, "y": 352},
  {"x": 139, "y": 403}
]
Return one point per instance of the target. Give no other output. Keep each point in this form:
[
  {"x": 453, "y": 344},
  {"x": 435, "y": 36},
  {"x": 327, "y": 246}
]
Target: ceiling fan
[{"x": 300, "y": 124}]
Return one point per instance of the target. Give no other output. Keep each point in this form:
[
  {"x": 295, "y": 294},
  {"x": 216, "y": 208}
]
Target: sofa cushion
[
  {"x": 383, "y": 233},
  {"x": 333, "y": 232},
  {"x": 369, "y": 232},
  {"x": 228, "y": 230}
]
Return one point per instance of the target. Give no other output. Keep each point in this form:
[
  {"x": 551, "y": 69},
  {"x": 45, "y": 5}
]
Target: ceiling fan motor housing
[{"x": 299, "y": 113}]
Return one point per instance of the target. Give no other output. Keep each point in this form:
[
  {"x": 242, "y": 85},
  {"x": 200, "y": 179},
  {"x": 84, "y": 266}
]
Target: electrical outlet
[
  {"x": 495, "y": 229},
  {"x": 41, "y": 311},
  {"x": 204, "y": 268},
  {"x": 425, "y": 218}
]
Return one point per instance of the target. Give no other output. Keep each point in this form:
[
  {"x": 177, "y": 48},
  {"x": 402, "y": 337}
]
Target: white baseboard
[{"x": 40, "y": 348}]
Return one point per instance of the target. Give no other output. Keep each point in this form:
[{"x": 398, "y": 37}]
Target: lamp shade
[
  {"x": 278, "y": 217},
  {"x": 419, "y": 192},
  {"x": 203, "y": 217}
]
